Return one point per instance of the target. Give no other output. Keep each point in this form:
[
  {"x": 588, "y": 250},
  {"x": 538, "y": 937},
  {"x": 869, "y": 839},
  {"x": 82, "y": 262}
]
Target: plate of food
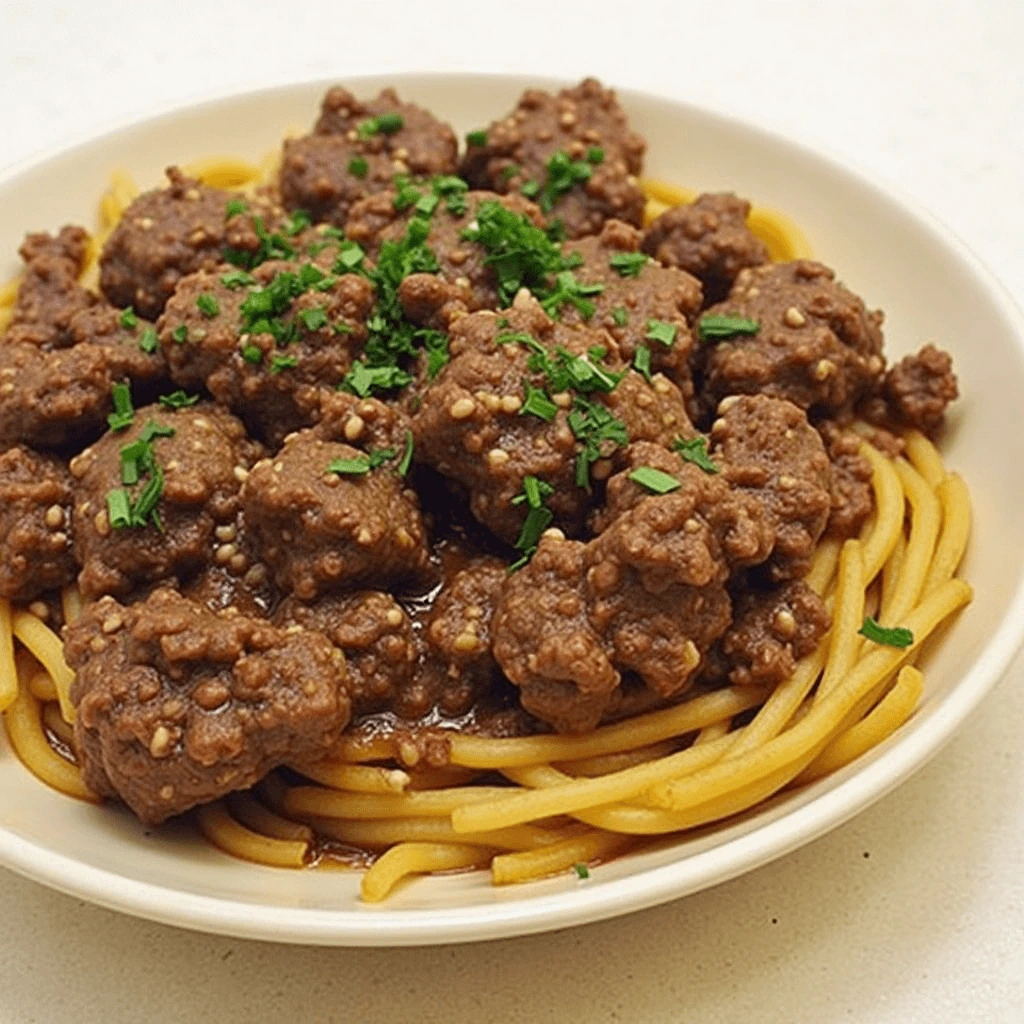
[{"x": 455, "y": 506}]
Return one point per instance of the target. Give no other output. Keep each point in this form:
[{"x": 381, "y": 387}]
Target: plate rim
[{"x": 849, "y": 792}]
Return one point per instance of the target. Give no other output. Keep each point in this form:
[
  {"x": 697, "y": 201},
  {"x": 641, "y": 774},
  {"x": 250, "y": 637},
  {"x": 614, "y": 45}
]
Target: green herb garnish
[
  {"x": 382, "y": 124},
  {"x": 477, "y": 138},
  {"x": 628, "y": 264},
  {"x": 654, "y": 480},
  {"x": 695, "y": 450},
  {"x": 149, "y": 342},
  {"x": 889, "y": 636},
  {"x": 128, "y": 319},
  {"x": 595, "y": 155},
  {"x": 178, "y": 400},
  {"x": 358, "y": 167},
  {"x": 406, "y": 461},
  {"x": 124, "y": 413},
  {"x": 620, "y": 316},
  {"x": 642, "y": 362},
  {"x": 208, "y": 305},
  {"x": 180, "y": 334},
  {"x": 234, "y": 208},
  {"x": 714, "y": 328},
  {"x": 661, "y": 332},
  {"x": 563, "y": 174},
  {"x": 237, "y": 279}
]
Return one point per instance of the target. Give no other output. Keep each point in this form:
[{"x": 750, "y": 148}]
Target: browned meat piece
[
  {"x": 162, "y": 236},
  {"x": 178, "y": 705},
  {"x": 852, "y": 497},
  {"x": 708, "y": 238},
  {"x": 464, "y": 279},
  {"x": 766, "y": 446},
  {"x": 35, "y": 520},
  {"x": 771, "y": 630},
  {"x": 358, "y": 148},
  {"x": 816, "y": 344},
  {"x": 919, "y": 387},
  {"x": 367, "y": 423},
  {"x": 596, "y": 157},
  {"x": 637, "y": 292},
  {"x": 201, "y": 467},
  {"x": 129, "y": 345},
  {"x": 49, "y": 294},
  {"x": 471, "y": 427},
  {"x": 235, "y": 577},
  {"x": 319, "y": 530},
  {"x": 380, "y": 646},
  {"x": 274, "y": 378},
  {"x": 546, "y": 645}
]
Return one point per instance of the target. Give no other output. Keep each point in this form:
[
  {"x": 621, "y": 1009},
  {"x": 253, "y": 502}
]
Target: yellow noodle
[
  {"x": 355, "y": 778},
  {"x": 407, "y": 859},
  {"x": 49, "y": 650},
  {"x": 606, "y": 763},
  {"x": 891, "y": 570},
  {"x": 666, "y": 193},
  {"x": 889, "y": 512},
  {"x": 248, "y": 811},
  {"x": 71, "y": 604},
  {"x": 223, "y": 172},
  {"x": 228, "y": 835},
  {"x": 41, "y": 685},
  {"x": 847, "y": 619},
  {"x": 924, "y": 457},
  {"x": 956, "y": 529},
  {"x": 303, "y": 801},
  {"x": 54, "y": 722},
  {"x": 785, "y": 241},
  {"x": 520, "y": 867},
  {"x": 8, "y": 671},
  {"x": 823, "y": 566}
]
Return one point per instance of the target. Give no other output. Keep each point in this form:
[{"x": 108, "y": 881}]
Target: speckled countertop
[{"x": 914, "y": 911}]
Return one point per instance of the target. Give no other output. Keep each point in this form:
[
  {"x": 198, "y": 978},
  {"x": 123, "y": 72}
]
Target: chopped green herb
[
  {"x": 128, "y": 319},
  {"x": 654, "y": 480},
  {"x": 595, "y": 155},
  {"x": 237, "y": 279},
  {"x": 297, "y": 222},
  {"x": 272, "y": 246},
  {"x": 152, "y": 430},
  {"x": 642, "y": 362},
  {"x": 530, "y": 189},
  {"x": 124, "y": 413},
  {"x": 537, "y": 403},
  {"x": 427, "y": 204},
  {"x": 662, "y": 332},
  {"x": 510, "y": 171},
  {"x": 568, "y": 289},
  {"x": 406, "y": 461},
  {"x": 628, "y": 264},
  {"x": 178, "y": 400},
  {"x": 598, "y": 431},
  {"x": 361, "y": 380},
  {"x": 453, "y": 189},
  {"x": 180, "y": 334},
  {"x": 620, "y": 316},
  {"x": 119, "y": 509},
  {"x": 538, "y": 518},
  {"x": 234, "y": 208},
  {"x": 383, "y": 124},
  {"x": 207, "y": 305},
  {"x": 358, "y": 167},
  {"x": 406, "y": 194},
  {"x": 714, "y": 328},
  {"x": 435, "y": 343},
  {"x": 361, "y": 464},
  {"x": 149, "y": 342},
  {"x": 695, "y": 450},
  {"x": 144, "y": 509},
  {"x": 279, "y": 363},
  {"x": 314, "y": 319},
  {"x": 252, "y": 354},
  {"x": 582, "y": 871},
  {"x": 563, "y": 174},
  {"x": 889, "y": 636},
  {"x": 477, "y": 138}
]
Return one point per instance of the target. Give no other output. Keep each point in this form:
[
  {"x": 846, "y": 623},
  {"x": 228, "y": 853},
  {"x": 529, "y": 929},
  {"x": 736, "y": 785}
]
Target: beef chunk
[
  {"x": 319, "y": 530},
  {"x": 634, "y": 296},
  {"x": 366, "y": 423},
  {"x": 470, "y": 426},
  {"x": 464, "y": 279},
  {"x": 163, "y": 236},
  {"x": 584, "y": 124},
  {"x": 771, "y": 630},
  {"x": 852, "y": 497},
  {"x": 381, "y": 649},
  {"x": 919, "y": 387},
  {"x": 708, "y": 238},
  {"x": 178, "y": 705},
  {"x": 202, "y": 466},
  {"x": 816, "y": 345},
  {"x": 128, "y": 344},
  {"x": 266, "y": 345},
  {"x": 766, "y": 447},
  {"x": 345, "y": 159},
  {"x": 35, "y": 519},
  {"x": 49, "y": 294}
]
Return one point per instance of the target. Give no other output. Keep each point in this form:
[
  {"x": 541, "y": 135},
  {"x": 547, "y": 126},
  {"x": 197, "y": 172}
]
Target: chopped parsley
[
  {"x": 538, "y": 517},
  {"x": 128, "y": 319},
  {"x": 714, "y": 328},
  {"x": 563, "y": 174},
  {"x": 383, "y": 124},
  {"x": 350, "y": 257},
  {"x": 279, "y": 362},
  {"x": 313, "y": 319},
  {"x": 598, "y": 431},
  {"x": 297, "y": 223},
  {"x": 119, "y": 509},
  {"x": 477, "y": 138},
  {"x": 358, "y": 167},
  {"x": 178, "y": 400},
  {"x": 252, "y": 354},
  {"x": 362, "y": 464},
  {"x": 149, "y": 342},
  {"x": 582, "y": 871},
  {"x": 537, "y": 403},
  {"x": 595, "y": 155},
  {"x": 234, "y": 208},
  {"x": 620, "y": 316},
  {"x": 654, "y": 480},
  {"x": 662, "y": 332},
  {"x": 435, "y": 344},
  {"x": 406, "y": 460},
  {"x": 406, "y": 194},
  {"x": 642, "y": 362},
  {"x": 138, "y": 459},
  {"x": 180, "y": 334},
  {"x": 237, "y": 279},
  {"x": 510, "y": 171},
  {"x": 453, "y": 190},
  {"x": 628, "y": 264},
  {"x": 695, "y": 450},
  {"x": 124, "y": 412},
  {"x": 568, "y": 289},
  {"x": 530, "y": 189},
  {"x": 272, "y": 246},
  {"x": 208, "y": 305},
  {"x": 894, "y": 636},
  {"x": 362, "y": 379}
]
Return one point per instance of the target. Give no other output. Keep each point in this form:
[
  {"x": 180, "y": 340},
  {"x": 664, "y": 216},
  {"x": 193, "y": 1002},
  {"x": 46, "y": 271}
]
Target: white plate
[{"x": 931, "y": 288}]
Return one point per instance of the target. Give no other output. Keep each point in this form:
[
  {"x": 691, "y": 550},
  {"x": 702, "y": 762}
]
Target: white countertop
[{"x": 914, "y": 911}]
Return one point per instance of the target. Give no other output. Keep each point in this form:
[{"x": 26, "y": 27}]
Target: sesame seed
[
  {"x": 793, "y": 317},
  {"x": 54, "y": 517},
  {"x": 226, "y": 532},
  {"x": 354, "y": 427},
  {"x": 462, "y": 408},
  {"x": 498, "y": 457}
]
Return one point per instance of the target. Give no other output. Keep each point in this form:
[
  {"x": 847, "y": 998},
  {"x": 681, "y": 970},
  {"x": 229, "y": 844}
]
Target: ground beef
[
  {"x": 327, "y": 172},
  {"x": 319, "y": 530},
  {"x": 585, "y": 121},
  {"x": 464, "y": 280},
  {"x": 49, "y": 294},
  {"x": 771, "y": 630},
  {"x": 367, "y": 423},
  {"x": 243, "y": 369},
  {"x": 131, "y": 352},
  {"x": 852, "y": 496},
  {"x": 919, "y": 387},
  {"x": 631, "y": 299},
  {"x": 817, "y": 345},
  {"x": 381, "y": 649},
  {"x": 766, "y": 447},
  {"x": 203, "y": 464},
  {"x": 708, "y": 238},
  {"x": 469, "y": 426},
  {"x": 162, "y": 236},
  {"x": 35, "y": 520},
  {"x": 178, "y": 705}
]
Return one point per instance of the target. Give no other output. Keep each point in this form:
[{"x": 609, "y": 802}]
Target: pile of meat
[{"x": 426, "y": 441}]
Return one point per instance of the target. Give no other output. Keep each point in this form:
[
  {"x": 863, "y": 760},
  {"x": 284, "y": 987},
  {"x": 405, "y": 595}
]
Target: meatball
[
  {"x": 357, "y": 148},
  {"x": 49, "y": 294},
  {"x": 367, "y": 423},
  {"x": 187, "y": 486},
  {"x": 852, "y": 496},
  {"x": 266, "y": 344},
  {"x": 771, "y": 630},
  {"x": 709, "y": 239},
  {"x": 816, "y": 344},
  {"x": 35, "y": 519},
  {"x": 163, "y": 236},
  {"x": 128, "y": 344},
  {"x": 635, "y": 293},
  {"x": 574, "y": 149},
  {"x": 319, "y": 529},
  {"x": 380, "y": 646},
  {"x": 765, "y": 446},
  {"x": 178, "y": 705},
  {"x": 918, "y": 388},
  {"x": 465, "y": 280}
]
